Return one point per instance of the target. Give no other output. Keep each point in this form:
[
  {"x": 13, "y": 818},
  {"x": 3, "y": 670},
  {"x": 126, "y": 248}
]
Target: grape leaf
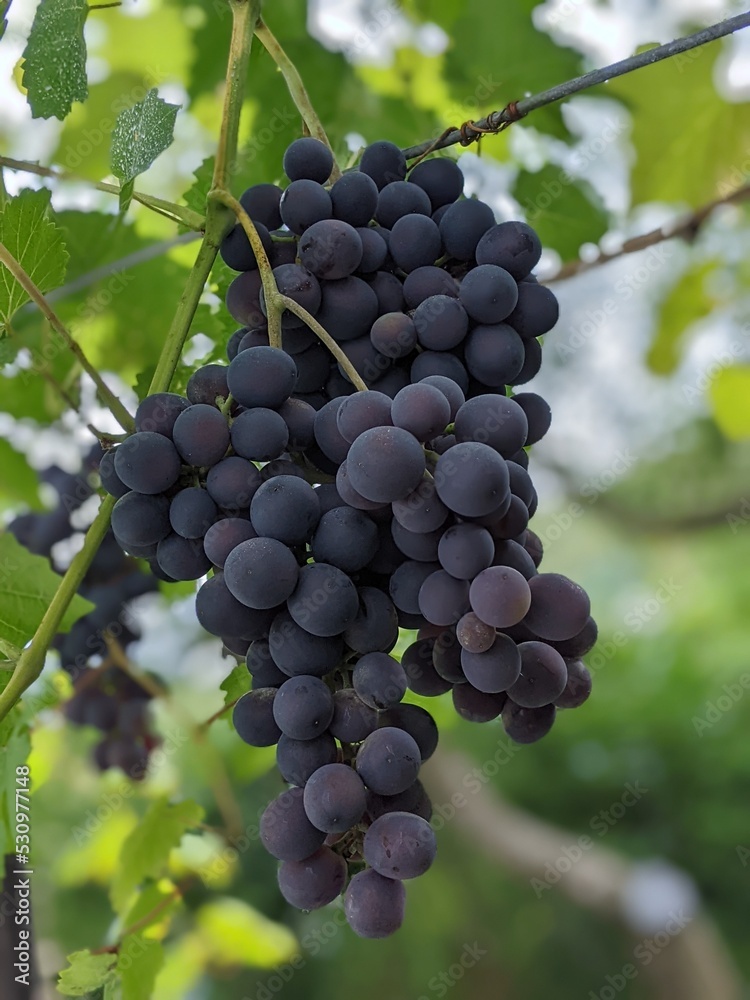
[
  {"x": 54, "y": 69},
  {"x": 27, "y": 585},
  {"x": 86, "y": 973},
  {"x": 687, "y": 301},
  {"x": 729, "y": 394},
  {"x": 36, "y": 243},
  {"x": 235, "y": 685},
  {"x": 4, "y": 8},
  {"x": 19, "y": 481},
  {"x": 139, "y": 961},
  {"x": 141, "y": 133},
  {"x": 145, "y": 852},
  {"x": 674, "y": 164},
  {"x": 566, "y": 213}
]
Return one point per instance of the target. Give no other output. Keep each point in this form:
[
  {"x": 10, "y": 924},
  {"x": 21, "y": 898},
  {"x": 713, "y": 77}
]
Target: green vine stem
[
  {"x": 31, "y": 661},
  {"x": 325, "y": 338},
  {"x": 296, "y": 88},
  {"x": 271, "y": 294},
  {"x": 114, "y": 404},
  {"x": 217, "y": 223},
  {"x": 176, "y": 213}
]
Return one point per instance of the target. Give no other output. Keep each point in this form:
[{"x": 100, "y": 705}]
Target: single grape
[
  {"x": 495, "y": 669},
  {"x": 500, "y": 596},
  {"x": 385, "y": 464},
  {"x": 259, "y": 434},
  {"x": 308, "y": 158},
  {"x": 417, "y": 722},
  {"x": 261, "y": 572},
  {"x": 285, "y": 508},
  {"x": 559, "y": 607},
  {"x": 379, "y": 680},
  {"x": 262, "y": 376},
  {"x": 542, "y": 678},
  {"x": 527, "y": 725},
  {"x": 375, "y": 629},
  {"x": 147, "y": 462},
  {"x": 578, "y": 686},
  {"x": 472, "y": 479},
  {"x": 253, "y": 718},
  {"x": 303, "y": 707},
  {"x": 298, "y": 760},
  {"x": 201, "y": 435},
  {"x": 441, "y": 178},
  {"x": 354, "y": 197},
  {"x": 388, "y": 761},
  {"x": 296, "y": 651},
  {"x": 510, "y": 245},
  {"x": 384, "y": 163},
  {"x": 192, "y": 512},
  {"x": 232, "y": 483},
  {"x": 477, "y": 706},
  {"x": 335, "y": 798},
  {"x": 285, "y": 830},
  {"x": 400, "y": 845},
  {"x": 314, "y": 881},
  {"x": 158, "y": 413},
  {"x": 374, "y": 905}
]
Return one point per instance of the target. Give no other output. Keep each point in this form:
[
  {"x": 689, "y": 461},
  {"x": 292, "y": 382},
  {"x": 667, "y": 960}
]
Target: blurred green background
[{"x": 644, "y": 479}]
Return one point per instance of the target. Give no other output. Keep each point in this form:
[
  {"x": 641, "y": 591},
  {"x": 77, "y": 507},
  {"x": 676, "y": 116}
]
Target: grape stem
[
  {"x": 350, "y": 371},
  {"x": 296, "y": 88},
  {"x": 31, "y": 661},
  {"x": 498, "y": 121},
  {"x": 176, "y": 213},
  {"x": 271, "y": 294},
  {"x": 217, "y": 223},
  {"x": 114, "y": 404}
]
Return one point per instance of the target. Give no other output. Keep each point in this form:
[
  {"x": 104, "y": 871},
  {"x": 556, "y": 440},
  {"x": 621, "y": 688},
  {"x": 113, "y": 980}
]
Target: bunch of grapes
[
  {"x": 104, "y": 697},
  {"x": 330, "y": 517}
]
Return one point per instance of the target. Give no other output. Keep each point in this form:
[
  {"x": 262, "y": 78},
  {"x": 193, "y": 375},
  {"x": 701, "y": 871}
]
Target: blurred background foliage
[{"x": 644, "y": 478}]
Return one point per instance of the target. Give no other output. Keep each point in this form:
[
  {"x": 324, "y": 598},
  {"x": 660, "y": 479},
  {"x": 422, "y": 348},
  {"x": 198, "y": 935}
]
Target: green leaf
[
  {"x": 86, "y": 973},
  {"x": 674, "y": 162},
  {"x": 239, "y": 682},
  {"x": 497, "y": 55},
  {"x": 195, "y": 196},
  {"x": 36, "y": 243},
  {"x": 235, "y": 933},
  {"x": 730, "y": 401},
  {"x": 27, "y": 585},
  {"x": 4, "y": 8},
  {"x": 140, "y": 134},
  {"x": 139, "y": 961},
  {"x": 54, "y": 69},
  {"x": 146, "y": 851},
  {"x": 565, "y": 212},
  {"x": 19, "y": 481},
  {"x": 687, "y": 301}
]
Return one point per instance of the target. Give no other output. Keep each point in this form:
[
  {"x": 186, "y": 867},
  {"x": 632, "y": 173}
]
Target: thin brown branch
[{"x": 686, "y": 228}]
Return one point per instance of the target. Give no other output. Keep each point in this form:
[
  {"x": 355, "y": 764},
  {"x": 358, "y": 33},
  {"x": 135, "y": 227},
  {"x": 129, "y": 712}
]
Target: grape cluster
[
  {"x": 330, "y": 517},
  {"x": 104, "y": 696}
]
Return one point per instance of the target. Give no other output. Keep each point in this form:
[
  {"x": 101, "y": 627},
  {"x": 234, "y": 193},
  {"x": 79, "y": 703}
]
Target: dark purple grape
[
  {"x": 494, "y": 355},
  {"x": 285, "y": 508},
  {"x": 494, "y": 420},
  {"x": 224, "y": 536},
  {"x": 488, "y": 293},
  {"x": 463, "y": 225},
  {"x": 527, "y": 725},
  {"x": 201, "y": 435},
  {"x": 297, "y": 760},
  {"x": 400, "y": 845},
  {"x": 192, "y": 512},
  {"x": 253, "y": 718},
  {"x": 473, "y": 634},
  {"x": 394, "y": 335},
  {"x": 147, "y": 462},
  {"x": 379, "y": 680},
  {"x": 220, "y": 613},
  {"x": 346, "y": 538},
  {"x": 471, "y": 479},
  {"x": 361, "y": 412},
  {"x": 384, "y": 163},
  {"x": 158, "y": 413},
  {"x": 421, "y": 510},
  {"x": 259, "y": 434},
  {"x": 354, "y": 197},
  {"x": 232, "y": 483},
  {"x": 353, "y": 721},
  {"x": 426, "y": 281},
  {"x": 495, "y": 669},
  {"x": 330, "y": 249},
  {"x": 580, "y": 644},
  {"x": 542, "y": 678},
  {"x": 385, "y": 464},
  {"x": 314, "y": 881},
  {"x": 500, "y": 596},
  {"x": 538, "y": 414},
  {"x": 420, "y": 671},
  {"x": 415, "y": 239},
  {"x": 417, "y": 722},
  {"x": 441, "y": 178},
  {"x": 536, "y": 311},
  {"x": 441, "y": 323},
  {"x": 140, "y": 519},
  {"x": 303, "y": 707},
  {"x": 262, "y": 376},
  {"x": 443, "y": 599},
  {"x": 296, "y": 651},
  {"x": 335, "y": 798},
  {"x": 465, "y": 550},
  {"x": 325, "y": 601},
  {"x": 375, "y": 629},
  {"x": 422, "y": 410},
  {"x": 510, "y": 245},
  {"x": 559, "y": 607},
  {"x": 477, "y": 706},
  {"x": 285, "y": 830},
  {"x": 388, "y": 761},
  {"x": 374, "y": 905},
  {"x": 261, "y": 202},
  {"x": 304, "y": 203},
  {"x": 578, "y": 686},
  {"x": 308, "y": 158},
  {"x": 261, "y": 572},
  {"x": 182, "y": 558}
]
